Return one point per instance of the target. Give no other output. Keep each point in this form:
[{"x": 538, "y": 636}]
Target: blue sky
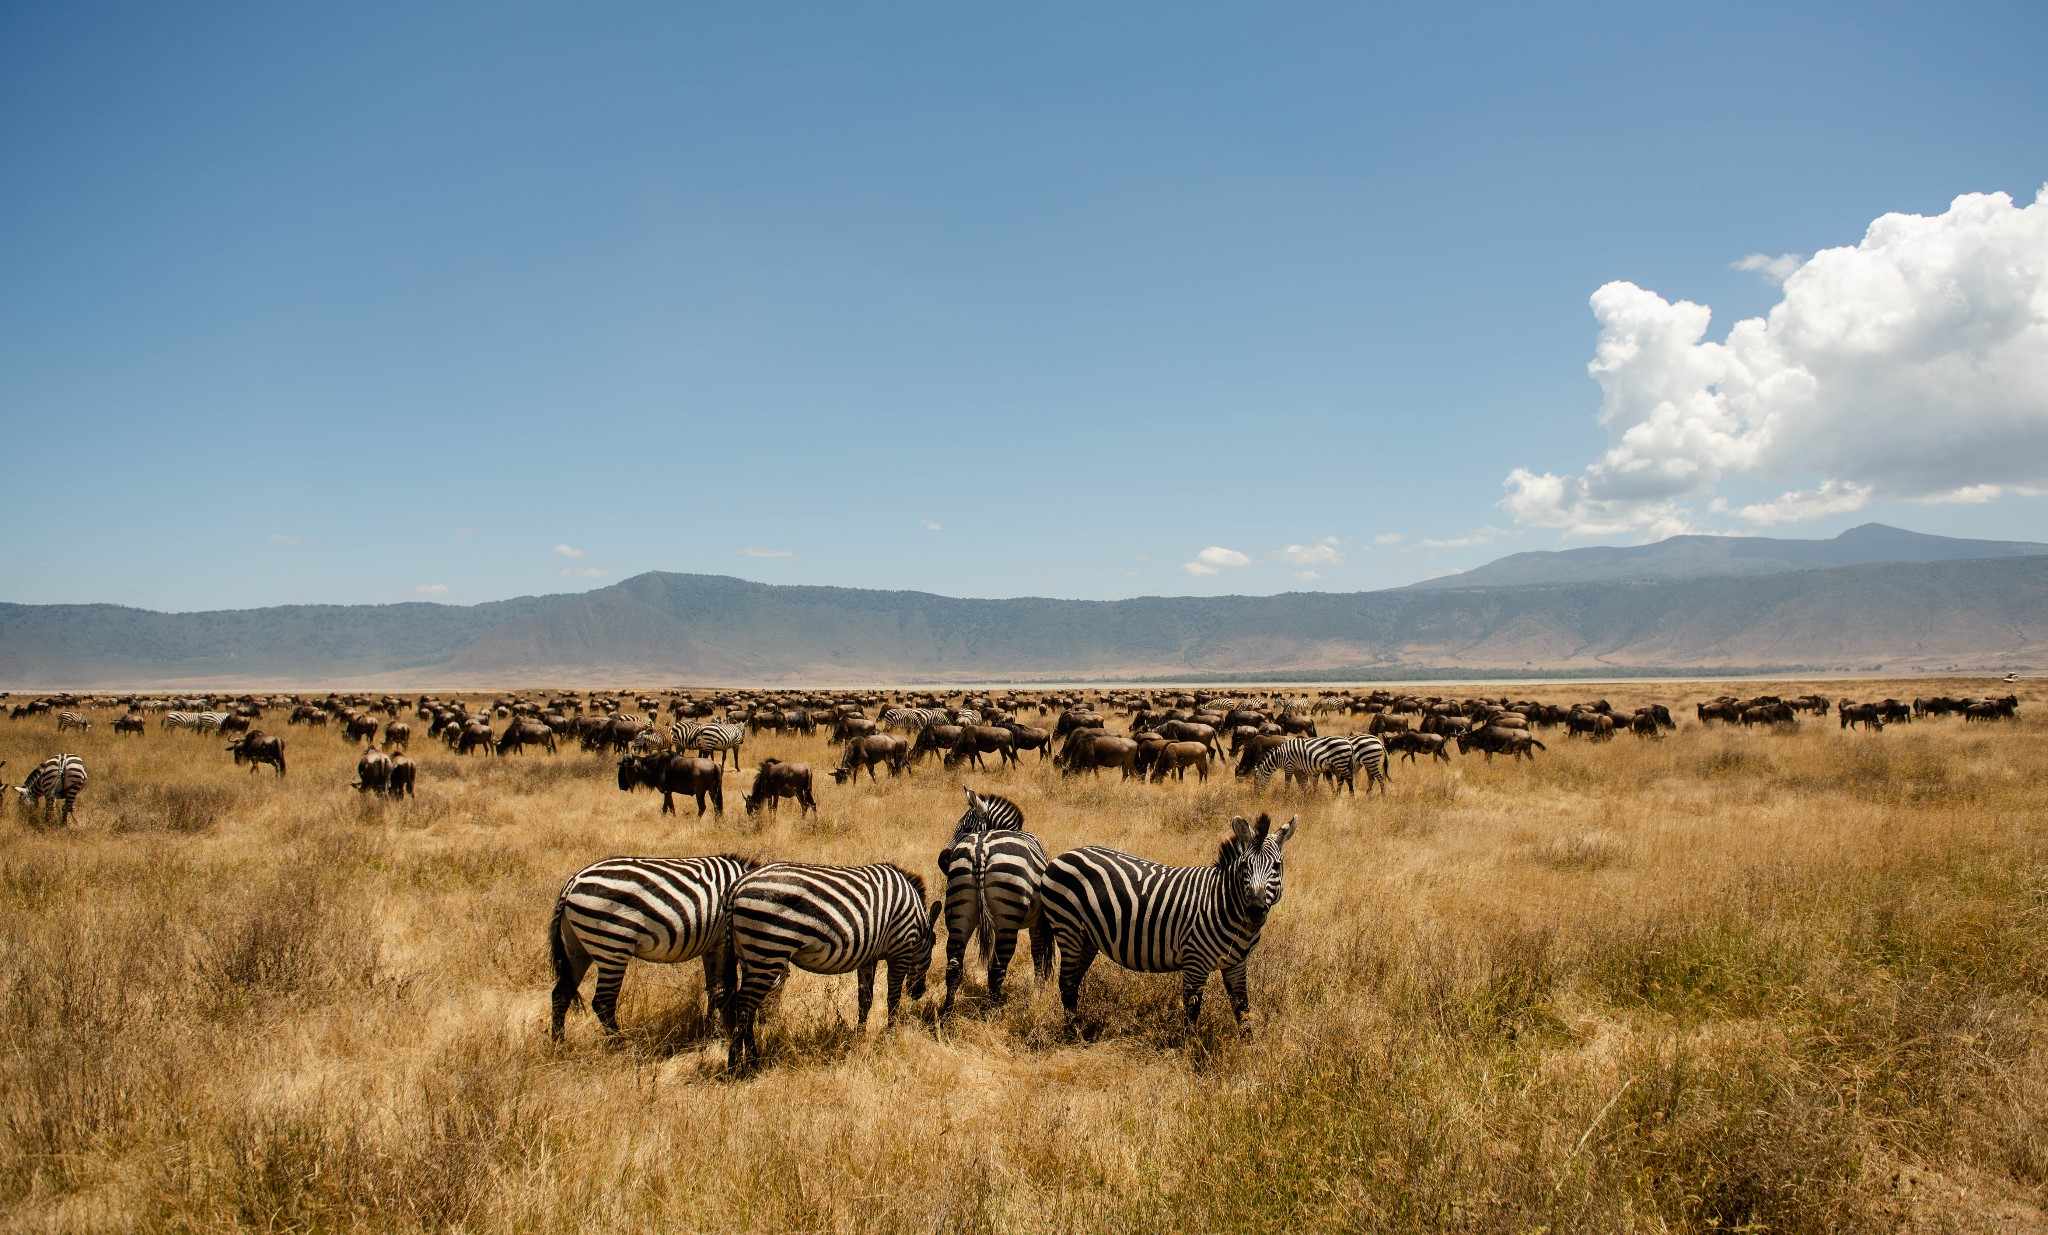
[{"x": 398, "y": 302}]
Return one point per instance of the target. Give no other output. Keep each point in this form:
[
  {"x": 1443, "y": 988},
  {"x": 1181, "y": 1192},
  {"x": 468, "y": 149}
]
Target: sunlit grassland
[{"x": 1786, "y": 981}]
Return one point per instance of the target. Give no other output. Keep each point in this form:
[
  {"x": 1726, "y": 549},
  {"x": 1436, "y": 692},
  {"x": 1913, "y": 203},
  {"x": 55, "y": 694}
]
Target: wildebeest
[
  {"x": 397, "y": 736},
  {"x": 364, "y": 727},
  {"x": 1178, "y": 757},
  {"x": 977, "y": 740},
  {"x": 1256, "y": 749},
  {"x": 1865, "y": 714},
  {"x": 1596, "y": 725},
  {"x": 399, "y": 784},
  {"x": 672, "y": 774},
  {"x": 1027, "y": 737},
  {"x": 1435, "y": 745},
  {"x": 867, "y": 750},
  {"x": 1515, "y": 743},
  {"x": 938, "y": 737},
  {"x": 775, "y": 780},
  {"x": 373, "y": 772},
  {"x": 523, "y": 733},
  {"x": 131, "y": 723},
  {"x": 258, "y": 748},
  {"x": 1099, "y": 751}
]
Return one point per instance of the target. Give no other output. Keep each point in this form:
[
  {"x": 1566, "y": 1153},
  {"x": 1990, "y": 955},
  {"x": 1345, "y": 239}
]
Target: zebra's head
[{"x": 1252, "y": 861}]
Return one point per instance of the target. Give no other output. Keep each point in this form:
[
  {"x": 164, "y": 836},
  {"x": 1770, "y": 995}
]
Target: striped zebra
[
  {"x": 72, "y": 720},
  {"x": 58, "y": 778},
  {"x": 913, "y": 719},
  {"x": 992, "y": 869},
  {"x": 1190, "y": 920},
  {"x": 824, "y": 919},
  {"x": 709, "y": 737},
  {"x": 659, "y": 910},
  {"x": 1337, "y": 757},
  {"x": 178, "y": 720}
]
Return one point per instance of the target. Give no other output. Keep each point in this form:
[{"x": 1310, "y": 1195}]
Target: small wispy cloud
[
  {"x": 1483, "y": 536},
  {"x": 432, "y": 589},
  {"x": 1776, "y": 269},
  {"x": 1308, "y": 576},
  {"x": 587, "y": 572},
  {"x": 279, "y": 538},
  {"x": 465, "y": 531},
  {"x": 931, "y": 525},
  {"x": 751, "y": 551},
  {"x": 1214, "y": 560},
  {"x": 568, "y": 551},
  {"x": 1324, "y": 552},
  {"x": 1387, "y": 538}
]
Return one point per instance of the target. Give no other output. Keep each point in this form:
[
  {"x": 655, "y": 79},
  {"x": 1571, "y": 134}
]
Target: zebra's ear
[
  {"x": 1286, "y": 830},
  {"x": 972, "y": 801},
  {"x": 1241, "y": 827}
]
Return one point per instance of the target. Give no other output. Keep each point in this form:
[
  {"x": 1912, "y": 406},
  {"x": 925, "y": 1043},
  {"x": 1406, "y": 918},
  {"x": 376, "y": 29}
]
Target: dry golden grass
[{"x": 1729, "y": 979}]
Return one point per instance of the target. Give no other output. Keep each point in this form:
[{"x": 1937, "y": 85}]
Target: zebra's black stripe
[
  {"x": 660, "y": 910},
  {"x": 1336, "y": 757},
  {"x": 824, "y": 919},
  {"x": 992, "y": 869},
  {"x": 708, "y": 737},
  {"x": 1152, "y": 918}
]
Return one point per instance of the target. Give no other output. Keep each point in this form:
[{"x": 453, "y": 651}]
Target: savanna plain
[{"x": 1729, "y": 979}]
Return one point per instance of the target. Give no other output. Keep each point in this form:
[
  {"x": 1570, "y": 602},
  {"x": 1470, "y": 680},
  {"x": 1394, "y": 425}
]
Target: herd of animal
[
  {"x": 1143, "y": 735},
  {"x": 749, "y": 923}
]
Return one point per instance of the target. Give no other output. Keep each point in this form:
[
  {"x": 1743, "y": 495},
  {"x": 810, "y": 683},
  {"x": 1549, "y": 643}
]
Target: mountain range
[{"x": 1744, "y": 606}]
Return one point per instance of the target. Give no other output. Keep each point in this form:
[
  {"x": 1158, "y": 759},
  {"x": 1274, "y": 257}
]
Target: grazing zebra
[
  {"x": 1192, "y": 920},
  {"x": 72, "y": 720},
  {"x": 708, "y": 737},
  {"x": 992, "y": 869},
  {"x": 178, "y": 720},
  {"x": 660, "y": 910},
  {"x": 1338, "y": 758},
  {"x": 58, "y": 778},
  {"x": 1369, "y": 755},
  {"x": 913, "y": 719},
  {"x": 824, "y": 919}
]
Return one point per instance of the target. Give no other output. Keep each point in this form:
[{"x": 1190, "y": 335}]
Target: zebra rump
[
  {"x": 60, "y": 778},
  {"x": 992, "y": 868}
]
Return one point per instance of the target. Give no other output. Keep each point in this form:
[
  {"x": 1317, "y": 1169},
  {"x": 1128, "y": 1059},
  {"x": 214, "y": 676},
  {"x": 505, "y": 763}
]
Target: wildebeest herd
[{"x": 750, "y": 923}]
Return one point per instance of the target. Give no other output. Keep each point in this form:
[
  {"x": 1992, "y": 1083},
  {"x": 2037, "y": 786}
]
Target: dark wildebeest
[
  {"x": 1725, "y": 710},
  {"x": 672, "y": 774},
  {"x": 474, "y": 735},
  {"x": 852, "y": 727},
  {"x": 373, "y": 772},
  {"x": 1596, "y": 725},
  {"x": 1027, "y": 737},
  {"x": 258, "y": 748},
  {"x": 523, "y": 733},
  {"x": 397, "y": 736},
  {"x": 399, "y": 784},
  {"x": 867, "y": 750},
  {"x": 940, "y": 738},
  {"x": 1894, "y": 710},
  {"x": 1515, "y": 743},
  {"x": 1387, "y": 722},
  {"x": 776, "y": 780},
  {"x": 1644, "y": 724},
  {"x": 1100, "y": 751},
  {"x": 977, "y": 740},
  {"x": 1865, "y": 714},
  {"x": 1178, "y": 757},
  {"x": 1773, "y": 713},
  {"x": 364, "y": 726},
  {"x": 1191, "y": 731},
  {"x": 1409, "y": 745},
  {"x": 131, "y": 723},
  {"x": 1256, "y": 749}
]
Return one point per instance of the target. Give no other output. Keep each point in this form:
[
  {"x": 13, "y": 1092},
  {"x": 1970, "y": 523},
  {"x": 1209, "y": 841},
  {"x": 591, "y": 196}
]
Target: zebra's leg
[
  {"x": 714, "y": 995},
  {"x": 1041, "y": 950},
  {"x": 572, "y": 964},
  {"x": 896, "y": 980},
  {"x": 1192, "y": 980},
  {"x": 1240, "y": 999},
  {"x": 604, "y": 1001},
  {"x": 957, "y": 935},
  {"x": 1075, "y": 957},
  {"x": 742, "y": 1051},
  {"x": 999, "y": 961},
  {"x": 865, "y": 976}
]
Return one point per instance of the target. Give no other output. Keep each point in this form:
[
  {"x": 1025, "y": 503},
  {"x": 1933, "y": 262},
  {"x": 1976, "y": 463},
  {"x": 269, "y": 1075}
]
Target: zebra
[
  {"x": 58, "y": 778},
  {"x": 710, "y": 738},
  {"x": 823, "y": 919},
  {"x": 913, "y": 719},
  {"x": 1336, "y": 757},
  {"x": 660, "y": 910},
  {"x": 1152, "y": 918},
  {"x": 72, "y": 720},
  {"x": 992, "y": 869},
  {"x": 178, "y": 720}
]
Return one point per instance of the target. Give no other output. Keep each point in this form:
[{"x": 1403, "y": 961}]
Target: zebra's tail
[
  {"x": 987, "y": 944},
  {"x": 558, "y": 951}
]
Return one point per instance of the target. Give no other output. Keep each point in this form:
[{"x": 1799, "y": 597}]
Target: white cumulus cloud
[
  {"x": 1387, "y": 538},
  {"x": 751, "y": 551},
  {"x": 1322, "y": 553},
  {"x": 1214, "y": 560},
  {"x": 1776, "y": 269},
  {"x": 568, "y": 551},
  {"x": 1912, "y": 366},
  {"x": 432, "y": 589}
]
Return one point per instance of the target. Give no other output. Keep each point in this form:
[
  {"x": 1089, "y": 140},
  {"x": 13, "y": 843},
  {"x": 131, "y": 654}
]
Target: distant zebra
[
  {"x": 1369, "y": 755},
  {"x": 992, "y": 869},
  {"x": 178, "y": 720},
  {"x": 1191, "y": 920},
  {"x": 58, "y": 778},
  {"x": 824, "y": 919},
  {"x": 660, "y": 910},
  {"x": 708, "y": 737},
  {"x": 72, "y": 720},
  {"x": 913, "y": 719},
  {"x": 1336, "y": 757}
]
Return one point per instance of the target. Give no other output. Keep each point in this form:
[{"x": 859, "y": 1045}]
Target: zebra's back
[
  {"x": 1142, "y": 914},
  {"x": 824, "y": 919},
  {"x": 662, "y": 910}
]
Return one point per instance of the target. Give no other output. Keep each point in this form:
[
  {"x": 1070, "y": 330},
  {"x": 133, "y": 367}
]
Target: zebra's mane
[{"x": 916, "y": 880}]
